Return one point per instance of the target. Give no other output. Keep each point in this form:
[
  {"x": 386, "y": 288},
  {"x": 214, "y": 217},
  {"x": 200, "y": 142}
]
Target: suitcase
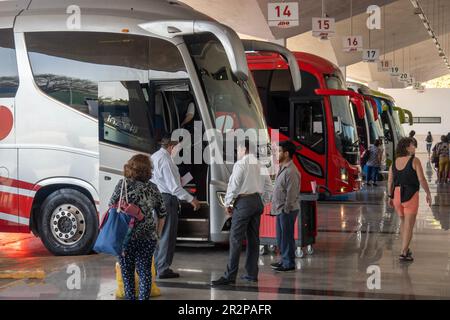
[{"x": 305, "y": 233}]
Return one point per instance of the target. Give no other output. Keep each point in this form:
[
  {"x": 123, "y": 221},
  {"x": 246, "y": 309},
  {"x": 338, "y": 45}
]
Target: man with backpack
[{"x": 429, "y": 141}]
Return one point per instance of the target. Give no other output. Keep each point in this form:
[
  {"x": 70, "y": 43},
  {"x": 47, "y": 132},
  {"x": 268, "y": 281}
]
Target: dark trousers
[
  {"x": 285, "y": 237},
  {"x": 138, "y": 257},
  {"x": 166, "y": 246},
  {"x": 372, "y": 173},
  {"x": 245, "y": 223}
]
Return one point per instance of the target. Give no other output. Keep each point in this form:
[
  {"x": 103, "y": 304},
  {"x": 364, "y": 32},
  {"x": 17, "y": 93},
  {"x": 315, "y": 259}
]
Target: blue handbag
[
  {"x": 116, "y": 227},
  {"x": 112, "y": 233}
]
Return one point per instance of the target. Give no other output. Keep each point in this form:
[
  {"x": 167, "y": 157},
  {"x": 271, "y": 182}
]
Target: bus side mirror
[
  {"x": 359, "y": 107},
  {"x": 355, "y": 98},
  {"x": 373, "y": 103}
]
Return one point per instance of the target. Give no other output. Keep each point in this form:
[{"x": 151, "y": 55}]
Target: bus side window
[
  {"x": 9, "y": 77},
  {"x": 124, "y": 115}
]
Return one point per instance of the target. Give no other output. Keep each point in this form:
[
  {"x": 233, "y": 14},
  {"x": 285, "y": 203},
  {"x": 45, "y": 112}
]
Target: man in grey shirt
[{"x": 286, "y": 206}]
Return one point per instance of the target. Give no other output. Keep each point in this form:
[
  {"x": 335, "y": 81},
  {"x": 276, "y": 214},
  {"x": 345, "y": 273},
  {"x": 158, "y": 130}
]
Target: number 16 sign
[{"x": 352, "y": 43}]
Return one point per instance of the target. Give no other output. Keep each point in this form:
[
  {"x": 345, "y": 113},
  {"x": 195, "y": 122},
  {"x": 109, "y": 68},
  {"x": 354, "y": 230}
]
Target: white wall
[{"x": 431, "y": 103}]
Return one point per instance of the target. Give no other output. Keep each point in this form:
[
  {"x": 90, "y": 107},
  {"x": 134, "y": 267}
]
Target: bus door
[
  {"x": 9, "y": 187},
  {"x": 176, "y": 108},
  {"x": 125, "y": 129},
  {"x": 388, "y": 132},
  {"x": 308, "y": 130}
]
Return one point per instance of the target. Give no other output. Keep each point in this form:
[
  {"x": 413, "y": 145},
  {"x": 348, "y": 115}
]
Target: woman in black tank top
[{"x": 405, "y": 178}]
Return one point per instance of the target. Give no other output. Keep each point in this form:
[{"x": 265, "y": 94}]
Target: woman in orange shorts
[{"x": 405, "y": 178}]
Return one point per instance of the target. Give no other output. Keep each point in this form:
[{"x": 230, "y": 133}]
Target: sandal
[{"x": 408, "y": 253}]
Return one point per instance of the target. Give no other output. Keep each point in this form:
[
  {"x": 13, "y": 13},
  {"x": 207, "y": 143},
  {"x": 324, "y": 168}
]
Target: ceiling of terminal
[{"x": 403, "y": 36}]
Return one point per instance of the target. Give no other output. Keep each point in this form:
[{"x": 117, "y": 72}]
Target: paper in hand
[{"x": 186, "y": 179}]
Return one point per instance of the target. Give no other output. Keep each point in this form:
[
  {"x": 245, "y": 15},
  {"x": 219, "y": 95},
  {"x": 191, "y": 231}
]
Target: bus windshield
[
  {"x": 344, "y": 121},
  {"x": 396, "y": 120},
  {"x": 233, "y": 103},
  {"x": 375, "y": 131}
]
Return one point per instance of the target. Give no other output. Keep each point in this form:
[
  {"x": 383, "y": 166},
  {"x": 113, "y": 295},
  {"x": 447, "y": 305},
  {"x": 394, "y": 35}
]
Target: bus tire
[{"x": 68, "y": 223}]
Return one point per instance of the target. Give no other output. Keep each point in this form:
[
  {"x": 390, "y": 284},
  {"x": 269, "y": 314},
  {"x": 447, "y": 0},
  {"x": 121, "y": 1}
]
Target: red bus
[{"x": 319, "y": 118}]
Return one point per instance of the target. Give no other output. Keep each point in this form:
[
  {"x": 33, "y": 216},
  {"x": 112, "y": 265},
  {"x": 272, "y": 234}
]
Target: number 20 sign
[{"x": 352, "y": 43}]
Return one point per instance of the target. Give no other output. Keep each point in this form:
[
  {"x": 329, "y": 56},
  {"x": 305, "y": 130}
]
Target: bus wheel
[{"x": 68, "y": 223}]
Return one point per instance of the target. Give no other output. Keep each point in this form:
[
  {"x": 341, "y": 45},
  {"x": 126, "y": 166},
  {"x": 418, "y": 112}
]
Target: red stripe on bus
[
  {"x": 16, "y": 204},
  {"x": 18, "y": 184}
]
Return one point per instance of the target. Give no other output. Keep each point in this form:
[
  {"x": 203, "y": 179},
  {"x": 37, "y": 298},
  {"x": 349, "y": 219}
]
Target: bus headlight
[
  {"x": 344, "y": 175},
  {"x": 221, "y": 198}
]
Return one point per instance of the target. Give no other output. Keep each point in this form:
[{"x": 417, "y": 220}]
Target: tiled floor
[{"x": 353, "y": 236}]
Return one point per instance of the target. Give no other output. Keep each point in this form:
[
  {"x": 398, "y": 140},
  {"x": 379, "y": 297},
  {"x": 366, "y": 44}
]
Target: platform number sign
[
  {"x": 283, "y": 14},
  {"x": 403, "y": 77},
  {"x": 352, "y": 43},
  {"x": 410, "y": 81},
  {"x": 323, "y": 27},
  {"x": 384, "y": 65},
  {"x": 371, "y": 55},
  {"x": 395, "y": 71}
]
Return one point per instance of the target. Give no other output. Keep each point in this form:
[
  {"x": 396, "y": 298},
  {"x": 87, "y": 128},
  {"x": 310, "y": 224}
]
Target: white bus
[{"x": 79, "y": 95}]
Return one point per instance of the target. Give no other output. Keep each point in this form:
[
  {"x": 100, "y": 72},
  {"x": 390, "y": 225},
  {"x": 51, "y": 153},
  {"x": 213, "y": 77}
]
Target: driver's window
[{"x": 309, "y": 125}]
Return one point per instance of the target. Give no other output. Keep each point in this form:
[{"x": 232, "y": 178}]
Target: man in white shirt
[
  {"x": 190, "y": 113},
  {"x": 167, "y": 178},
  {"x": 248, "y": 184}
]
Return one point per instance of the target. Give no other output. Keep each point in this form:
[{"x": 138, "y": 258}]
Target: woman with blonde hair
[
  {"x": 405, "y": 178},
  {"x": 138, "y": 251}
]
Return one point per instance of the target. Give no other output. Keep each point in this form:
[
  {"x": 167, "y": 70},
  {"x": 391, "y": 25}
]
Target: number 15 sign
[
  {"x": 283, "y": 14},
  {"x": 323, "y": 27}
]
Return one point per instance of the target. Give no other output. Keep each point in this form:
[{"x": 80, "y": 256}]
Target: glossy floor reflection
[{"x": 353, "y": 236}]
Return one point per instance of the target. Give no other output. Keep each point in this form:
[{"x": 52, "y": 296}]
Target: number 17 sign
[{"x": 283, "y": 14}]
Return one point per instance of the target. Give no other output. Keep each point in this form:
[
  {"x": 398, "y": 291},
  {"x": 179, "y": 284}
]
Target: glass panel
[
  {"x": 233, "y": 103},
  {"x": 346, "y": 135},
  {"x": 310, "y": 127},
  {"x": 123, "y": 115},
  {"x": 9, "y": 77},
  {"x": 69, "y": 65}
]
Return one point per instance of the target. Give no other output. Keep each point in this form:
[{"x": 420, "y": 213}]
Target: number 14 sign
[{"x": 283, "y": 14}]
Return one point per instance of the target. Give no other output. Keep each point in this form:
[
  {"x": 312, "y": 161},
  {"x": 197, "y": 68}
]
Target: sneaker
[
  {"x": 248, "y": 278},
  {"x": 375, "y": 185},
  {"x": 222, "y": 281},
  {"x": 276, "y": 265},
  {"x": 169, "y": 275},
  {"x": 284, "y": 269}
]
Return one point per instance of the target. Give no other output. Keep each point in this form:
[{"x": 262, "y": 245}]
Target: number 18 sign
[{"x": 283, "y": 14}]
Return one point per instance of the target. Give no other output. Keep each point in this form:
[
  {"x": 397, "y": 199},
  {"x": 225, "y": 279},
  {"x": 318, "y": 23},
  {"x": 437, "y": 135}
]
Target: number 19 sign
[{"x": 283, "y": 14}]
